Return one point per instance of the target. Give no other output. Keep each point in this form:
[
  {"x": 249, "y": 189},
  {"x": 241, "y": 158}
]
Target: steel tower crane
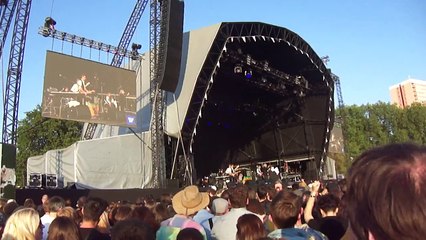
[{"x": 14, "y": 72}]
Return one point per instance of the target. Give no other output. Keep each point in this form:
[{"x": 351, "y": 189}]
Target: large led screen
[{"x": 86, "y": 91}]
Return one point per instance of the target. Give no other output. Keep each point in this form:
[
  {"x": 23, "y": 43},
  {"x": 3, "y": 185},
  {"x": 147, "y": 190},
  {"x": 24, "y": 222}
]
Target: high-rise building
[{"x": 408, "y": 92}]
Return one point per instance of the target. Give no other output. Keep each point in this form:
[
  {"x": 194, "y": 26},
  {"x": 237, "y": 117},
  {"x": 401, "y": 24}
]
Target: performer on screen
[{"x": 80, "y": 86}]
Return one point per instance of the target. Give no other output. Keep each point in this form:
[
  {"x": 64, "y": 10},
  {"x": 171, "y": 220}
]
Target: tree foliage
[
  {"x": 37, "y": 135},
  {"x": 372, "y": 125}
]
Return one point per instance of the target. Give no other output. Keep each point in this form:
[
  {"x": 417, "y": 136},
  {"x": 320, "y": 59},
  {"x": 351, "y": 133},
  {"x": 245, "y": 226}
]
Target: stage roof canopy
[{"x": 251, "y": 92}]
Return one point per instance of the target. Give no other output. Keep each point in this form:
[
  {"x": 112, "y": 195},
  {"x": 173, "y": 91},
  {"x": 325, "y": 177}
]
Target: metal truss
[
  {"x": 13, "y": 83},
  {"x": 6, "y": 18},
  {"x": 157, "y": 48}
]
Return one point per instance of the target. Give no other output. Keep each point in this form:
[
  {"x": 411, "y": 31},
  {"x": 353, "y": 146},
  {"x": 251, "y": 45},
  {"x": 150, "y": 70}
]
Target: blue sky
[{"x": 372, "y": 44}]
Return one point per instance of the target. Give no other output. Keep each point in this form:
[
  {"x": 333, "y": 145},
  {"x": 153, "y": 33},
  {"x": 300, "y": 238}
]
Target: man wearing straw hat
[{"x": 186, "y": 204}]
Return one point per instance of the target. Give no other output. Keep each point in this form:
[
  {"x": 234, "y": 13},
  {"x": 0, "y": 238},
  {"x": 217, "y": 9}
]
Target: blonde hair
[
  {"x": 68, "y": 212},
  {"x": 22, "y": 225}
]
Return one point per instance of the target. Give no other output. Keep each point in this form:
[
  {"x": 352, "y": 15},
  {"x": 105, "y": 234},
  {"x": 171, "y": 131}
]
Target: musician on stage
[{"x": 232, "y": 171}]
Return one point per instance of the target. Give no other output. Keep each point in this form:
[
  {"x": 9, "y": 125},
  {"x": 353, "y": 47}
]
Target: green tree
[
  {"x": 372, "y": 125},
  {"x": 37, "y": 134}
]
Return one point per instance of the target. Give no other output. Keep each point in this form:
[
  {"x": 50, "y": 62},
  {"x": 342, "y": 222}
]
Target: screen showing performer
[{"x": 87, "y": 91}]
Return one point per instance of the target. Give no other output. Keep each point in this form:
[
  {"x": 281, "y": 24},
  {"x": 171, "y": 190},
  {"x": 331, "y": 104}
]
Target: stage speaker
[
  {"x": 172, "y": 38},
  {"x": 51, "y": 181},
  {"x": 35, "y": 180}
]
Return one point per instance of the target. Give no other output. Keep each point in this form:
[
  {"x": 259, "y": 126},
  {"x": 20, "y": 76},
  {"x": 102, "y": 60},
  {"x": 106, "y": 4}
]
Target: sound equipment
[
  {"x": 172, "y": 38},
  {"x": 35, "y": 180}
]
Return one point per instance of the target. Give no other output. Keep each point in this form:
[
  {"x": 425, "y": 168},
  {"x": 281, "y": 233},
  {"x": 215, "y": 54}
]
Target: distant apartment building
[{"x": 408, "y": 92}]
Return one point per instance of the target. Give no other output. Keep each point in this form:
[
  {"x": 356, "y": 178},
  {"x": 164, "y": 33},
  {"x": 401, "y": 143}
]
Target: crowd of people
[{"x": 383, "y": 197}]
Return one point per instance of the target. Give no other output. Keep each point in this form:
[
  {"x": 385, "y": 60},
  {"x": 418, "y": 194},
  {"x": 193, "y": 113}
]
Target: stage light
[
  {"x": 238, "y": 68},
  {"x": 134, "y": 55},
  {"x": 136, "y": 46},
  {"x": 49, "y": 25},
  {"x": 248, "y": 74}
]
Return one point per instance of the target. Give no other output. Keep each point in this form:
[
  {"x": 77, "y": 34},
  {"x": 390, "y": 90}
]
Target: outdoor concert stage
[
  {"x": 247, "y": 92},
  {"x": 261, "y": 93}
]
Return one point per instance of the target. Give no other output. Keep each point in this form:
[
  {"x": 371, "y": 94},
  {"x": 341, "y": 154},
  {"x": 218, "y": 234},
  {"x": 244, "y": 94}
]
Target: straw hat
[{"x": 189, "y": 201}]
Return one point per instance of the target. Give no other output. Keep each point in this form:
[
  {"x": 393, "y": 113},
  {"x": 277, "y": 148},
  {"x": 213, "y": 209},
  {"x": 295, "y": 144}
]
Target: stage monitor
[{"x": 87, "y": 91}]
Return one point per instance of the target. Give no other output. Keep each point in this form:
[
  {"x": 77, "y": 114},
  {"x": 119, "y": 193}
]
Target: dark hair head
[
  {"x": 122, "y": 213},
  {"x": 238, "y": 196},
  {"x": 328, "y": 202},
  {"x": 285, "y": 209},
  {"x": 131, "y": 229},
  {"x": 262, "y": 192},
  {"x": 147, "y": 216},
  {"x": 386, "y": 193},
  {"x": 250, "y": 227},
  {"x": 189, "y": 234},
  {"x": 93, "y": 209},
  {"x": 255, "y": 206},
  {"x": 63, "y": 228},
  {"x": 225, "y": 195}
]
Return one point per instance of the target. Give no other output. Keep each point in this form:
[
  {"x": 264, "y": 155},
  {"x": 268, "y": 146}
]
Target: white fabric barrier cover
[{"x": 120, "y": 162}]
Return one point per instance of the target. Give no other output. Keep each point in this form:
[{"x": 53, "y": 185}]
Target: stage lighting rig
[
  {"x": 134, "y": 55},
  {"x": 48, "y": 27},
  {"x": 238, "y": 68}
]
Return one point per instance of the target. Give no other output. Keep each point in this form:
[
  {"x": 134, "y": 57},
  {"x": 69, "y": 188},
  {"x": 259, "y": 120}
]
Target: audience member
[
  {"x": 262, "y": 195},
  {"x": 132, "y": 229},
  {"x": 189, "y": 234},
  {"x": 92, "y": 212},
  {"x": 10, "y": 207},
  {"x": 147, "y": 216},
  {"x": 225, "y": 227},
  {"x": 329, "y": 223},
  {"x": 24, "y": 224},
  {"x": 186, "y": 204},
  {"x": 256, "y": 207},
  {"x": 63, "y": 228},
  {"x": 250, "y": 227},
  {"x": 122, "y": 213},
  {"x": 286, "y": 210},
  {"x": 79, "y": 206},
  {"x": 55, "y": 204},
  {"x": 68, "y": 212},
  {"x": 40, "y": 208},
  {"x": 161, "y": 213},
  {"x": 104, "y": 225},
  {"x": 386, "y": 194},
  {"x": 220, "y": 207},
  {"x": 29, "y": 203}
]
